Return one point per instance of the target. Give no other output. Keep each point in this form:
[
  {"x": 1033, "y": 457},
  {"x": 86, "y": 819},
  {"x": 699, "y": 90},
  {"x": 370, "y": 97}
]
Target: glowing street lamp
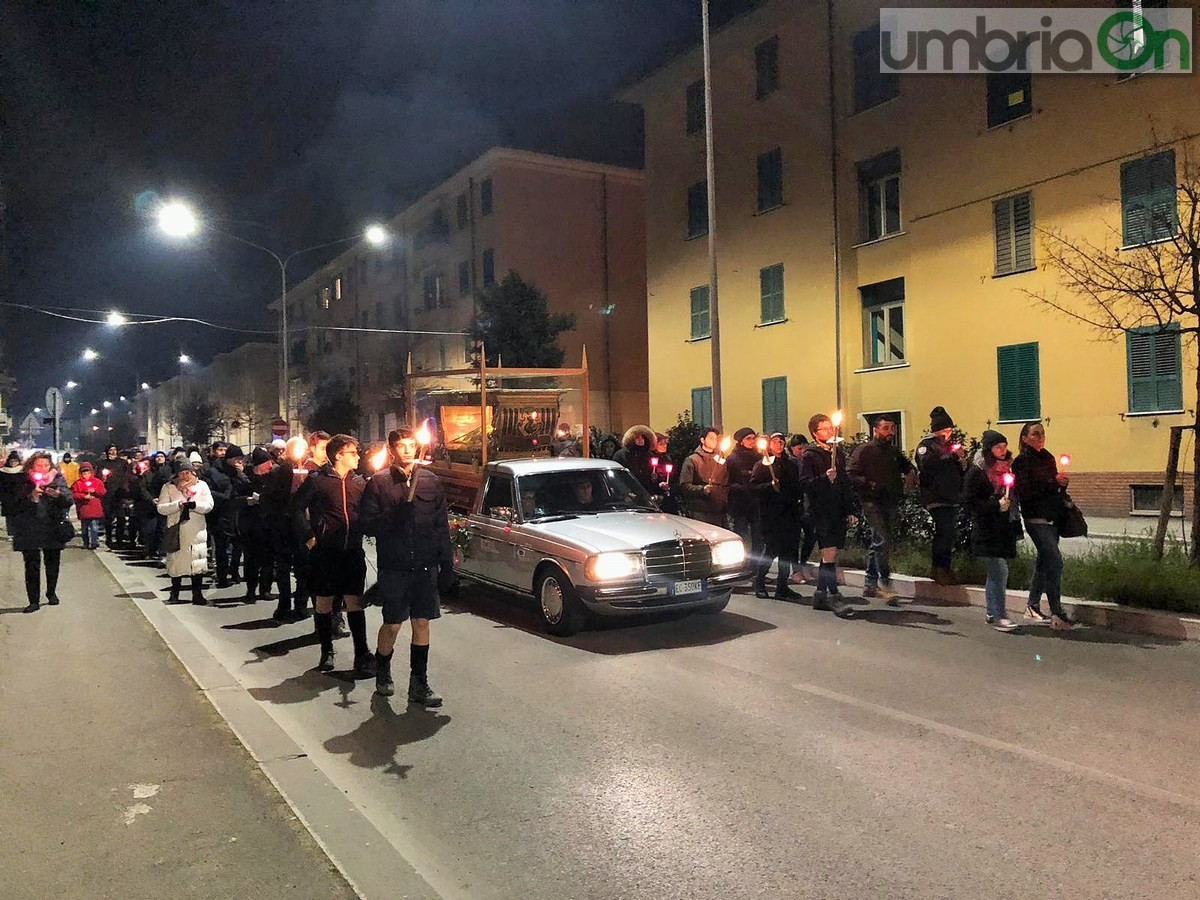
[
  {"x": 177, "y": 219},
  {"x": 94, "y": 411},
  {"x": 107, "y": 404},
  {"x": 71, "y": 385},
  {"x": 184, "y": 359},
  {"x": 145, "y": 386},
  {"x": 376, "y": 235},
  {"x": 115, "y": 320},
  {"x": 90, "y": 355}
]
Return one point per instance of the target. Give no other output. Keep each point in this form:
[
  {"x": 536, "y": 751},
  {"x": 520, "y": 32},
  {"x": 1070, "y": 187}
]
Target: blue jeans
[
  {"x": 91, "y": 533},
  {"x": 993, "y": 588},
  {"x": 1047, "y": 574},
  {"x": 881, "y": 521}
]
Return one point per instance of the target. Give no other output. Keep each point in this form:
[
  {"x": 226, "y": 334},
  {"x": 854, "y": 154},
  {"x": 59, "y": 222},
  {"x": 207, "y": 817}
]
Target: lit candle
[
  {"x": 761, "y": 444},
  {"x": 298, "y": 448},
  {"x": 654, "y": 462},
  {"x": 1008, "y": 480},
  {"x": 105, "y": 473},
  {"x": 836, "y": 419},
  {"x": 723, "y": 449},
  {"x": 424, "y": 437},
  {"x": 1064, "y": 460},
  {"x": 669, "y": 467},
  {"x": 379, "y": 459},
  {"x": 954, "y": 448}
]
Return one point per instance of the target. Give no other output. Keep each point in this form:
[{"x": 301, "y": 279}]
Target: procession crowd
[
  {"x": 293, "y": 510},
  {"x": 788, "y": 496}
]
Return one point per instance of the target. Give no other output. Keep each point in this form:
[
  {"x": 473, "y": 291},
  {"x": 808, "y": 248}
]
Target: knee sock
[
  {"x": 357, "y": 621},
  {"x": 827, "y": 578},
  {"x": 419, "y": 661},
  {"x": 324, "y": 626}
]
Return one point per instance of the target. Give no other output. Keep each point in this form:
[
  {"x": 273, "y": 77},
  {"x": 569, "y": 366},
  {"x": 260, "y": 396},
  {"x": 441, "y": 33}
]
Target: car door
[{"x": 492, "y": 555}]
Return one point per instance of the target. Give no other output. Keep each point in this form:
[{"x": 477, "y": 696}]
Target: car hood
[{"x": 602, "y": 532}]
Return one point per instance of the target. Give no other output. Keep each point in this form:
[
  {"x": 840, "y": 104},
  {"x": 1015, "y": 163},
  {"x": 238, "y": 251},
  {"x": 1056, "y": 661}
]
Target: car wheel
[
  {"x": 561, "y": 608},
  {"x": 711, "y": 609}
]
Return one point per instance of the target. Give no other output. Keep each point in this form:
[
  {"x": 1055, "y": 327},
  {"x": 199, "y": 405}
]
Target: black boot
[
  {"x": 176, "y": 583},
  {"x": 325, "y": 633},
  {"x": 364, "y": 664},
  {"x": 384, "y": 686},
  {"x": 782, "y": 589},
  {"x": 421, "y": 694},
  {"x": 840, "y": 607},
  {"x": 282, "y": 613},
  {"x": 364, "y": 660},
  {"x": 198, "y": 598}
]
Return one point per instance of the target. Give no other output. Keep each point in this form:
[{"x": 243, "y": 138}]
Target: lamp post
[{"x": 177, "y": 219}]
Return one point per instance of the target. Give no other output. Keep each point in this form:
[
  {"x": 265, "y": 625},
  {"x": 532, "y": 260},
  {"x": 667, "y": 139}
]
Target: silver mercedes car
[{"x": 583, "y": 537}]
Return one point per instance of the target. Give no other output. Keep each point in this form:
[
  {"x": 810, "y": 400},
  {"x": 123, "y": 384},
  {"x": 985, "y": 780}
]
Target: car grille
[{"x": 678, "y": 560}]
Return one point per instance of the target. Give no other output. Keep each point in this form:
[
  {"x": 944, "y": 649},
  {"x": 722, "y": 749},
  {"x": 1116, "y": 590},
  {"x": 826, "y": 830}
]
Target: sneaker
[
  {"x": 1032, "y": 612},
  {"x": 1060, "y": 624},
  {"x": 1002, "y": 624}
]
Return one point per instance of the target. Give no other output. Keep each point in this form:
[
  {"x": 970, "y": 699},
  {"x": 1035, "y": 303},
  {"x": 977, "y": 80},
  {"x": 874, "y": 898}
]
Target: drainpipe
[
  {"x": 837, "y": 228},
  {"x": 714, "y": 316},
  {"x": 606, "y": 311}
]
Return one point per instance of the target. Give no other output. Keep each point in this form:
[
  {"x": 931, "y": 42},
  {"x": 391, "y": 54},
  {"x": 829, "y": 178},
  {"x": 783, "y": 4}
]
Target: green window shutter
[
  {"x": 774, "y": 405},
  {"x": 1019, "y": 383},
  {"x": 1154, "y": 367},
  {"x": 770, "y": 180},
  {"x": 1012, "y": 219},
  {"x": 702, "y": 405},
  {"x": 1002, "y": 219},
  {"x": 770, "y": 281},
  {"x": 701, "y": 313},
  {"x": 1149, "y": 211}
]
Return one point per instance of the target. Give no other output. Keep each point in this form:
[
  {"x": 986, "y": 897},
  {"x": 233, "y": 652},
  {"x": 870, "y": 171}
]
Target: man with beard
[
  {"x": 744, "y": 513},
  {"x": 878, "y": 471}
]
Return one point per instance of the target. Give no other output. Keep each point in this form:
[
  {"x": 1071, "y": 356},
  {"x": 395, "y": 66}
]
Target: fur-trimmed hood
[{"x": 647, "y": 434}]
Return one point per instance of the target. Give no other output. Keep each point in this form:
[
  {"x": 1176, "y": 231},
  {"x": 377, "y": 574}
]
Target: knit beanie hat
[
  {"x": 742, "y": 433},
  {"x": 990, "y": 439},
  {"x": 85, "y": 467},
  {"x": 234, "y": 452},
  {"x": 259, "y": 456},
  {"x": 194, "y": 458},
  {"x": 939, "y": 419},
  {"x": 179, "y": 464}
]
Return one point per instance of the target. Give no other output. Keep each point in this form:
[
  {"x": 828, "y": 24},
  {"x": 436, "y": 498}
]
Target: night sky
[{"x": 289, "y": 122}]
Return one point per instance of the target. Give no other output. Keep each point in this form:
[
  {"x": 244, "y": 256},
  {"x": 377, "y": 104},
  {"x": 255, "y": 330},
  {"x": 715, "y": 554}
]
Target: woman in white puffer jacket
[{"x": 184, "y": 501}]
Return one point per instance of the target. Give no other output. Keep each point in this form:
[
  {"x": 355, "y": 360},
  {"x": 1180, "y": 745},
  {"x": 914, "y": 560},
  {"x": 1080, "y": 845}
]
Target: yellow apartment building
[
  {"x": 572, "y": 228},
  {"x": 878, "y": 238}
]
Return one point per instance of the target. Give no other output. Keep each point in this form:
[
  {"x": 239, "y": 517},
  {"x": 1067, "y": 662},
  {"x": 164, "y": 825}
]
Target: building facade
[
  {"x": 572, "y": 228},
  {"x": 881, "y": 241}
]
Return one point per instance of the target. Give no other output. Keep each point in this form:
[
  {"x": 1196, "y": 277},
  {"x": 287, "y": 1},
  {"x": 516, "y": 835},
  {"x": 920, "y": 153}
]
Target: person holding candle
[
  {"x": 995, "y": 522},
  {"x": 404, "y": 508},
  {"x": 777, "y": 482},
  {"x": 185, "y": 501},
  {"x": 830, "y": 502},
  {"x": 88, "y": 492},
  {"x": 1040, "y": 487},
  {"x": 941, "y": 464},
  {"x": 703, "y": 481},
  {"x": 38, "y": 514}
]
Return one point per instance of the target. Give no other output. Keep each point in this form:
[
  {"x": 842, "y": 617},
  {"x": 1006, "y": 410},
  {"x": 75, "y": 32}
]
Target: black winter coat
[
  {"x": 743, "y": 500},
  {"x": 826, "y": 502},
  {"x": 993, "y": 532},
  {"x": 35, "y": 523},
  {"x": 408, "y": 535},
  {"x": 10, "y": 479},
  {"x": 1040, "y": 494},
  {"x": 941, "y": 472},
  {"x": 326, "y": 507},
  {"x": 778, "y": 488},
  {"x": 877, "y": 471}
]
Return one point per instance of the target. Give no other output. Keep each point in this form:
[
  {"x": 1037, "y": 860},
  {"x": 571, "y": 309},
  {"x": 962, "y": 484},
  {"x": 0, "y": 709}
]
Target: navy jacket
[
  {"x": 327, "y": 509},
  {"x": 408, "y": 536}
]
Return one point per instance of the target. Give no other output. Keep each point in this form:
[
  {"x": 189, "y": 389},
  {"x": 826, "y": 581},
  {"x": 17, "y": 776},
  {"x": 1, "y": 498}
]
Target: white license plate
[{"x": 688, "y": 587}]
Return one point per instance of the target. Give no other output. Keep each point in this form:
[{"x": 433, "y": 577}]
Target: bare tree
[{"x": 1153, "y": 286}]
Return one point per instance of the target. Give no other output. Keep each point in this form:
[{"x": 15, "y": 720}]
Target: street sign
[
  {"x": 55, "y": 406},
  {"x": 279, "y": 428}
]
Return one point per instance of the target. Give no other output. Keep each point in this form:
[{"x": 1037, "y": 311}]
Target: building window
[
  {"x": 894, "y": 416},
  {"x": 1148, "y": 202},
  {"x": 883, "y": 322},
  {"x": 1019, "y": 381},
  {"x": 1155, "y": 369},
  {"x": 461, "y": 211},
  {"x": 770, "y": 180},
  {"x": 871, "y": 87},
  {"x": 879, "y": 195},
  {"x": 431, "y": 290},
  {"x": 485, "y": 197},
  {"x": 1009, "y": 96},
  {"x": 697, "y": 210},
  {"x": 774, "y": 405},
  {"x": 766, "y": 68},
  {"x": 464, "y": 278},
  {"x": 489, "y": 268},
  {"x": 1013, "y": 221},
  {"x": 1145, "y": 499},
  {"x": 702, "y": 406},
  {"x": 337, "y": 288},
  {"x": 770, "y": 284},
  {"x": 701, "y": 313},
  {"x": 695, "y": 106}
]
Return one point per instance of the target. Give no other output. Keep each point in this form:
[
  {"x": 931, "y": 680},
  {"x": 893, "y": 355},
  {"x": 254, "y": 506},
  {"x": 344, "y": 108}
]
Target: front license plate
[{"x": 688, "y": 587}]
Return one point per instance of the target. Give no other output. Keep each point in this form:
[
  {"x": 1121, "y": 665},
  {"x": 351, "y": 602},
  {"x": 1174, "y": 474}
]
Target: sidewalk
[{"x": 119, "y": 778}]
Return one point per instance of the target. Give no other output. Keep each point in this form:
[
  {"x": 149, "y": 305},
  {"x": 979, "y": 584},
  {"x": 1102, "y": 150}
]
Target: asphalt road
[{"x": 769, "y": 752}]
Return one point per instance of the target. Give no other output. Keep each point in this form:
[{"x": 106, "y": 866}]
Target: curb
[{"x": 1100, "y": 614}]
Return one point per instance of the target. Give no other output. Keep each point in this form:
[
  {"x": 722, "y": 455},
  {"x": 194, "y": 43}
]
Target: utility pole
[{"x": 714, "y": 316}]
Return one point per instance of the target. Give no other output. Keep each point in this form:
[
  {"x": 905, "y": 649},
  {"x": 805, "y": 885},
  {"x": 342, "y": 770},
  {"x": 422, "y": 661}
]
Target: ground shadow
[
  {"x": 608, "y": 636},
  {"x": 1095, "y": 634},
  {"x": 282, "y": 648},
  {"x": 136, "y": 595},
  {"x": 906, "y": 618},
  {"x": 253, "y": 624},
  {"x": 373, "y": 744},
  {"x": 9, "y": 610},
  {"x": 298, "y": 689}
]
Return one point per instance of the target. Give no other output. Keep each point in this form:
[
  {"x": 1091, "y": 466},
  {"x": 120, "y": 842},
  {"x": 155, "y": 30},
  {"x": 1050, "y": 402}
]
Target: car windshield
[{"x": 580, "y": 492}]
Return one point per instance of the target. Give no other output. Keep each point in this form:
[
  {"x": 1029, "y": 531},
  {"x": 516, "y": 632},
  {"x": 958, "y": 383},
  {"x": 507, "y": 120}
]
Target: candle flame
[
  {"x": 379, "y": 458},
  {"x": 1064, "y": 460},
  {"x": 670, "y": 467},
  {"x": 1008, "y": 479},
  {"x": 654, "y": 462},
  {"x": 836, "y": 418},
  {"x": 298, "y": 448},
  {"x": 726, "y": 444},
  {"x": 761, "y": 443},
  {"x": 423, "y": 435}
]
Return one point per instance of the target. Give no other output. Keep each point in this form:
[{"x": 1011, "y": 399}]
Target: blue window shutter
[
  {"x": 701, "y": 313},
  {"x": 770, "y": 282},
  {"x": 775, "y": 405},
  {"x": 1019, "y": 383}
]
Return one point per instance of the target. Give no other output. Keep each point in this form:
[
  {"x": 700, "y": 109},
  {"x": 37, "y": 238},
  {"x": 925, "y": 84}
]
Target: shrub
[{"x": 1126, "y": 572}]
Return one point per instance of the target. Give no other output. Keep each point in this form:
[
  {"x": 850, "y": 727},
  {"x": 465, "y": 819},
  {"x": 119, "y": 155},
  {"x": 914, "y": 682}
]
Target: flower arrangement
[{"x": 460, "y": 538}]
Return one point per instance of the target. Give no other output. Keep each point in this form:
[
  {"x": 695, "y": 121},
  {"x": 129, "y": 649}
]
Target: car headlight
[
  {"x": 613, "y": 566},
  {"x": 728, "y": 554}
]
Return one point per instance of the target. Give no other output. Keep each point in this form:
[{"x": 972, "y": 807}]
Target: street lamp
[
  {"x": 184, "y": 359},
  {"x": 89, "y": 355},
  {"x": 71, "y": 385},
  {"x": 107, "y": 404},
  {"x": 115, "y": 319},
  {"x": 177, "y": 220}
]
